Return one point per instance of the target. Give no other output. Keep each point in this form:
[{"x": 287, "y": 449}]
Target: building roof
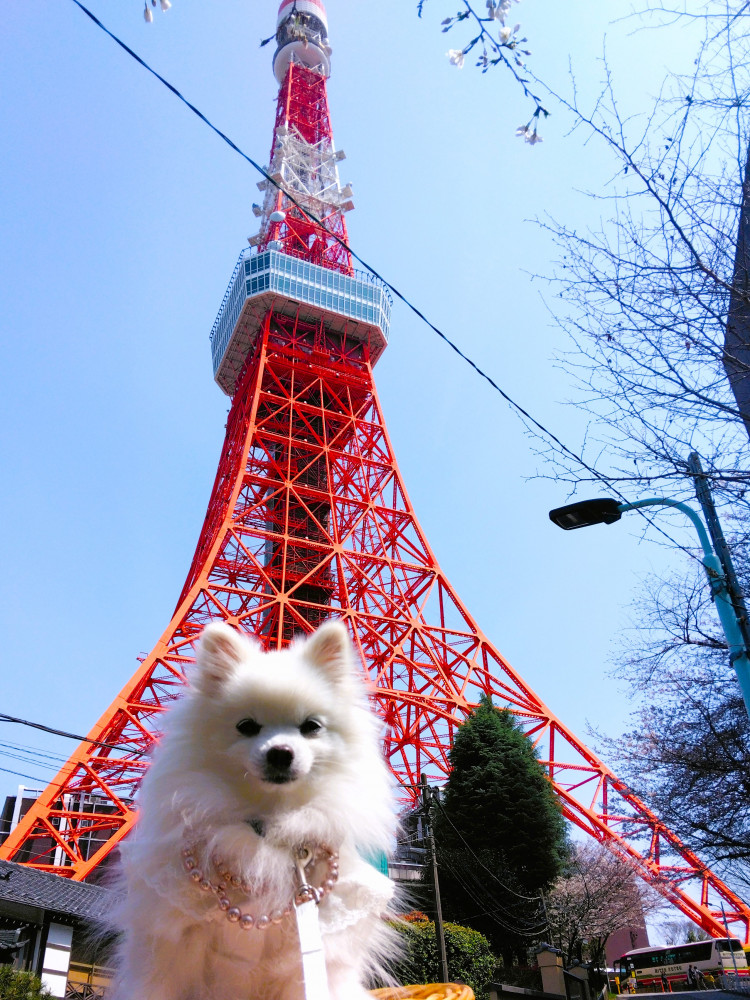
[{"x": 52, "y": 892}]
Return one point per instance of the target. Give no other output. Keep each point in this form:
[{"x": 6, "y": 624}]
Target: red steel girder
[{"x": 309, "y": 517}]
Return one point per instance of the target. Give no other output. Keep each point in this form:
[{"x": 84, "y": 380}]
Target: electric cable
[
  {"x": 34, "y": 755},
  {"x": 481, "y": 893},
  {"x": 530, "y": 899},
  {"x": 31, "y": 777},
  {"x": 30, "y": 759},
  {"x": 26, "y": 748},
  {"x": 478, "y": 891},
  {"x": 30, "y": 755},
  {"x": 483, "y": 896},
  {"x": 545, "y": 432},
  {"x": 525, "y": 930},
  {"x": 60, "y": 732},
  {"x": 494, "y": 913}
]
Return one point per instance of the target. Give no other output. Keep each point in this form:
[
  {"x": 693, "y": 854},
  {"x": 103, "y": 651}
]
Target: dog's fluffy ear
[
  {"x": 330, "y": 651},
  {"x": 220, "y": 650}
]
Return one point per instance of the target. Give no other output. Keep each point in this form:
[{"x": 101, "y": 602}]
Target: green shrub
[
  {"x": 470, "y": 958},
  {"x": 20, "y": 985}
]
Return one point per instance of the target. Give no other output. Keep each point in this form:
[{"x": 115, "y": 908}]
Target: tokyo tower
[{"x": 309, "y": 517}]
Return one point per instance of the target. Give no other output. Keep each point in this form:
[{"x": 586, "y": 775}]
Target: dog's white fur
[{"x": 207, "y": 783}]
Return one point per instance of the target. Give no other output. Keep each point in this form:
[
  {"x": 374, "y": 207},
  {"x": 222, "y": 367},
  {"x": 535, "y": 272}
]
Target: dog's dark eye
[
  {"x": 248, "y": 727},
  {"x": 310, "y": 726}
]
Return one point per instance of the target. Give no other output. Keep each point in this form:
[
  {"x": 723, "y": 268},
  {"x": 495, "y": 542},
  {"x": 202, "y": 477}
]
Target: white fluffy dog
[{"x": 269, "y": 771}]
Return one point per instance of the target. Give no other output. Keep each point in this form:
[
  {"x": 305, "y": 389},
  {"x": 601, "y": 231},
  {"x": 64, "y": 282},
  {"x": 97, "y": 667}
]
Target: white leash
[{"x": 306, "y": 900}]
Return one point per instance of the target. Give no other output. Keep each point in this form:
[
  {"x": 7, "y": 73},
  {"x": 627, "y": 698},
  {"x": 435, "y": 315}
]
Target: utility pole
[
  {"x": 737, "y": 334},
  {"x": 427, "y": 795},
  {"x": 703, "y": 493},
  {"x": 731, "y": 948}
]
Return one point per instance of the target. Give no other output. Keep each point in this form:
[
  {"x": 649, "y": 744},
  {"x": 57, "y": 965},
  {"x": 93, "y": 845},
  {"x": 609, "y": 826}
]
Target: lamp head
[{"x": 603, "y": 510}]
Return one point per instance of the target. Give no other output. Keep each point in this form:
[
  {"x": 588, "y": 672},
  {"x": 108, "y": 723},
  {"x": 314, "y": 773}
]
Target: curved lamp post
[{"x": 606, "y": 510}]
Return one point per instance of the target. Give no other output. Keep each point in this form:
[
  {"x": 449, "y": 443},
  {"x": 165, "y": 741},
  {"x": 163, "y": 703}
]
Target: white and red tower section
[
  {"x": 309, "y": 517},
  {"x": 303, "y": 159}
]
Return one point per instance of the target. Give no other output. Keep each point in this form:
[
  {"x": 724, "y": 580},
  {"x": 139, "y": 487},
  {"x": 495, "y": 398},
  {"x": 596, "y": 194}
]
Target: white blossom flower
[
  {"x": 456, "y": 57},
  {"x": 533, "y": 138},
  {"x": 522, "y": 131},
  {"x": 501, "y": 11},
  {"x": 504, "y": 34}
]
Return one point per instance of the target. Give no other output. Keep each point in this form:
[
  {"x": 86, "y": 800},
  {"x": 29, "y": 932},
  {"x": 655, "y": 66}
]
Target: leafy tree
[
  {"x": 499, "y": 831},
  {"x": 470, "y": 958},
  {"x": 21, "y": 985},
  {"x": 597, "y": 895}
]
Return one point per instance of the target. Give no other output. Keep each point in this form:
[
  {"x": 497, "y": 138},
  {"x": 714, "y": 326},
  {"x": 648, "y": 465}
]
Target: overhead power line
[
  {"x": 58, "y": 732},
  {"x": 490, "y": 906},
  {"x": 407, "y": 302},
  {"x": 30, "y": 759},
  {"x": 529, "y": 899},
  {"x": 31, "y": 777},
  {"x": 34, "y": 751},
  {"x": 415, "y": 309},
  {"x": 524, "y": 413}
]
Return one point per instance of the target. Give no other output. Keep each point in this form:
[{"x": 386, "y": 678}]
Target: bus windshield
[{"x": 733, "y": 945}]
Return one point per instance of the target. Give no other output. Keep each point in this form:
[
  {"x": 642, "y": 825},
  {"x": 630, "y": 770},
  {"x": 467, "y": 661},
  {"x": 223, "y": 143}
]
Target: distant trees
[
  {"x": 500, "y": 835},
  {"x": 597, "y": 895},
  {"x": 681, "y": 932}
]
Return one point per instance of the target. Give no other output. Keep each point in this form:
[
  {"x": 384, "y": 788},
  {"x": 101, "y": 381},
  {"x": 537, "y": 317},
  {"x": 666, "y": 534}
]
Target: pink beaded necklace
[{"x": 228, "y": 885}]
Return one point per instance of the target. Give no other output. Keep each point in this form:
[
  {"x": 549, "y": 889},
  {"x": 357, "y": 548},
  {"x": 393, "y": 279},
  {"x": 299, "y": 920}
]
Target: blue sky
[{"x": 121, "y": 220}]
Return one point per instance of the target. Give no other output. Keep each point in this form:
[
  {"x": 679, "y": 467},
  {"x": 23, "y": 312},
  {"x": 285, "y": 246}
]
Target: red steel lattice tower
[{"x": 309, "y": 517}]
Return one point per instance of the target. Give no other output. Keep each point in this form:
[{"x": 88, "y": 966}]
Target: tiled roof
[{"x": 52, "y": 892}]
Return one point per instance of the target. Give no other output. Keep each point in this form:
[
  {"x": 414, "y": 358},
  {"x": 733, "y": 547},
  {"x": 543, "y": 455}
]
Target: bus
[{"x": 713, "y": 957}]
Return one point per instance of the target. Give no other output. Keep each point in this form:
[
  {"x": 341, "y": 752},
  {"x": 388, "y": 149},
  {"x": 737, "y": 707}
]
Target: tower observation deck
[
  {"x": 309, "y": 517},
  {"x": 353, "y": 304}
]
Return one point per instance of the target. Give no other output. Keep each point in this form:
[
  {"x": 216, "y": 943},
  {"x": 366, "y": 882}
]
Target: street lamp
[{"x": 606, "y": 510}]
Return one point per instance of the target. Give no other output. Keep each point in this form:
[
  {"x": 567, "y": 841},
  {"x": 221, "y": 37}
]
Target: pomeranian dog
[{"x": 267, "y": 791}]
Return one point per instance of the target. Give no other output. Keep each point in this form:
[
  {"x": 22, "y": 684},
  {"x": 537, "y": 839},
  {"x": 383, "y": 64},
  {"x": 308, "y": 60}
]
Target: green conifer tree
[
  {"x": 500, "y": 835},
  {"x": 16, "y": 985}
]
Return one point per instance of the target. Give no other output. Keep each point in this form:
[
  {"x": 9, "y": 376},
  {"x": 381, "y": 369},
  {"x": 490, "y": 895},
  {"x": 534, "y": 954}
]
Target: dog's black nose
[{"x": 280, "y": 758}]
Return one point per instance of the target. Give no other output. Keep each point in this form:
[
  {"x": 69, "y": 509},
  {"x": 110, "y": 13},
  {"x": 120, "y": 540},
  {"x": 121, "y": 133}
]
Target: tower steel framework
[{"x": 309, "y": 517}]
